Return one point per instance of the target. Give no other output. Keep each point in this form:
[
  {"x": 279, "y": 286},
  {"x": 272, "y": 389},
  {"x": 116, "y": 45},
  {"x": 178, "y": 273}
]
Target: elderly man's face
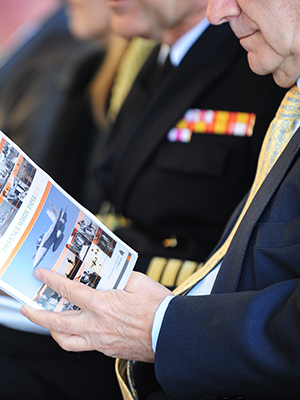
[
  {"x": 269, "y": 30},
  {"x": 151, "y": 18}
]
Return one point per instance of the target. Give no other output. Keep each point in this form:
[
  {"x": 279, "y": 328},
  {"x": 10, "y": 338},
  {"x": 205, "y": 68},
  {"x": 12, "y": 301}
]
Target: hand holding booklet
[{"x": 42, "y": 226}]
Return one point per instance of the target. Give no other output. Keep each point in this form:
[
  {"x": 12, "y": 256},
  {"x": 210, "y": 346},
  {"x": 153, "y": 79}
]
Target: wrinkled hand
[{"x": 117, "y": 323}]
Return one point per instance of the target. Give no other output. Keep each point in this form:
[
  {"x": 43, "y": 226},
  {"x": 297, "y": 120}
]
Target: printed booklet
[{"x": 42, "y": 226}]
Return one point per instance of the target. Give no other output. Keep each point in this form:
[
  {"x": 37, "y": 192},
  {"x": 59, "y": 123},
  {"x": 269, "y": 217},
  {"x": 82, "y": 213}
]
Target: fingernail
[
  {"x": 37, "y": 274},
  {"x": 24, "y": 311}
]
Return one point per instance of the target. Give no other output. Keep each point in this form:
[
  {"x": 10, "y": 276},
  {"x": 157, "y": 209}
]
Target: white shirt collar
[
  {"x": 298, "y": 83},
  {"x": 186, "y": 41},
  {"x": 298, "y": 123}
]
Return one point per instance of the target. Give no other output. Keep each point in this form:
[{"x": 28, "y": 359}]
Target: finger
[
  {"x": 42, "y": 318},
  {"x": 139, "y": 282},
  {"x": 58, "y": 328},
  {"x": 134, "y": 281},
  {"x": 70, "y": 342},
  {"x": 77, "y": 293},
  {"x": 66, "y": 322}
]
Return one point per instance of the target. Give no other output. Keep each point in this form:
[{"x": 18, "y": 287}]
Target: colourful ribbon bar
[{"x": 212, "y": 122}]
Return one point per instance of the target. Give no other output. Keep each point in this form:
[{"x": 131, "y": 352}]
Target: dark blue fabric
[{"x": 243, "y": 339}]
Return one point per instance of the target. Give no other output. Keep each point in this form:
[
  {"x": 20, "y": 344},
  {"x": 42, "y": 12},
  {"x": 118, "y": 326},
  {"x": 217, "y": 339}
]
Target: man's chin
[
  {"x": 283, "y": 80},
  {"x": 258, "y": 66},
  {"x": 263, "y": 66}
]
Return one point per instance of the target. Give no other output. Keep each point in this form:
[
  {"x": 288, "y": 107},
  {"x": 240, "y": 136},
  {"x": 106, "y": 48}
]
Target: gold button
[{"x": 170, "y": 242}]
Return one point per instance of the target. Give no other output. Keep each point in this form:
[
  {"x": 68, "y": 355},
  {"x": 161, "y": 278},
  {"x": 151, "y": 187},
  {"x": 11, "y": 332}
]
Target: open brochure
[{"x": 42, "y": 226}]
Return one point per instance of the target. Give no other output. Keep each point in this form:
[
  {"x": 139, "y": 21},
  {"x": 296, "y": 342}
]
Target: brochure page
[{"x": 42, "y": 226}]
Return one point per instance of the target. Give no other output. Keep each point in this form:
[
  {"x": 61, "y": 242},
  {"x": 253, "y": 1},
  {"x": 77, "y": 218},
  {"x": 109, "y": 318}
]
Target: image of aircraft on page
[{"x": 54, "y": 235}]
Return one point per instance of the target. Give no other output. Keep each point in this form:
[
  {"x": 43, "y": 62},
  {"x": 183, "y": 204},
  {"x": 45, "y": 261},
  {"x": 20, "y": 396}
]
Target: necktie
[
  {"x": 160, "y": 70},
  {"x": 164, "y": 60},
  {"x": 277, "y": 137}
]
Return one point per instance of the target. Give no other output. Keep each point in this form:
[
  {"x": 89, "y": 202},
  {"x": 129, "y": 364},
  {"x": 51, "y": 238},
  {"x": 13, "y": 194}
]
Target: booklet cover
[{"x": 42, "y": 226}]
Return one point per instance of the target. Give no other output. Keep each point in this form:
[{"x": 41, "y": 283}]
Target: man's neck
[{"x": 172, "y": 34}]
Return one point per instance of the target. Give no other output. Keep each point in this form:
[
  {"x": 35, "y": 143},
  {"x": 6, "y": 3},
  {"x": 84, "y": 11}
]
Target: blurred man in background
[{"x": 45, "y": 107}]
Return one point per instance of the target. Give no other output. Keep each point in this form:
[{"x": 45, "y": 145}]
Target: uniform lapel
[
  {"x": 229, "y": 275},
  {"x": 174, "y": 97}
]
